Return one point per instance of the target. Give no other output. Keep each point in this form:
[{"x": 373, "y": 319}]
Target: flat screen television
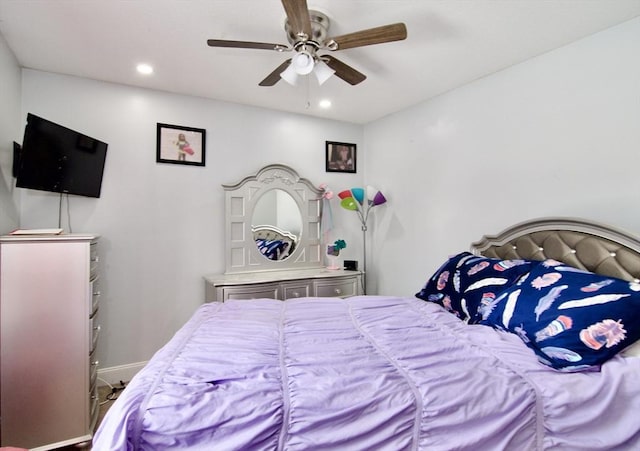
[{"x": 57, "y": 159}]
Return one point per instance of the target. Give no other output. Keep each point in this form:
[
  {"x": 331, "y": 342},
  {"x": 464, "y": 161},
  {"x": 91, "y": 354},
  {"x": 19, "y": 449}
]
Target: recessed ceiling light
[
  {"x": 325, "y": 103},
  {"x": 144, "y": 69}
]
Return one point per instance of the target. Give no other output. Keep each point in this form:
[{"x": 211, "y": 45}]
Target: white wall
[
  {"x": 9, "y": 132},
  {"x": 162, "y": 225},
  {"x": 556, "y": 135}
]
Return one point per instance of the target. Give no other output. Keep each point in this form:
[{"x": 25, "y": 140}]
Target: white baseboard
[{"x": 115, "y": 374}]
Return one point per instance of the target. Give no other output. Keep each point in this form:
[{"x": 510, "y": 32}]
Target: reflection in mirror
[{"x": 276, "y": 224}]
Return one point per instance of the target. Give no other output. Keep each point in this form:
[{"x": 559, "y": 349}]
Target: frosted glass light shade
[
  {"x": 303, "y": 62},
  {"x": 289, "y": 75},
  {"x": 322, "y": 71}
]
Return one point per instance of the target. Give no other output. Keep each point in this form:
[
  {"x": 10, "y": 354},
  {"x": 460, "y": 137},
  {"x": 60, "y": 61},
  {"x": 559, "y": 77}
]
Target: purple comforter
[{"x": 364, "y": 373}]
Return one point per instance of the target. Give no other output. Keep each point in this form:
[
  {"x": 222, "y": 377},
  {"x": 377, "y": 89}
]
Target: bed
[{"x": 469, "y": 363}]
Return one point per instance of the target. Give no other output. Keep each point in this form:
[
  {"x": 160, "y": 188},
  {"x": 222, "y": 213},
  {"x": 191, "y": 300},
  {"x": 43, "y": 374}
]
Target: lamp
[
  {"x": 303, "y": 63},
  {"x": 290, "y": 75},
  {"x": 322, "y": 71},
  {"x": 362, "y": 201}
]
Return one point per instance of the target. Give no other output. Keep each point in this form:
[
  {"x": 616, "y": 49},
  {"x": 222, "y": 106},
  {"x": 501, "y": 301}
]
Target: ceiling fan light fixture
[
  {"x": 290, "y": 75},
  {"x": 307, "y": 32},
  {"x": 303, "y": 62},
  {"x": 322, "y": 71}
]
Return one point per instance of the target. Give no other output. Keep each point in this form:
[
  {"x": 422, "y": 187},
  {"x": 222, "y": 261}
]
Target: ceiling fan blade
[
  {"x": 298, "y": 16},
  {"x": 378, "y": 35},
  {"x": 247, "y": 45},
  {"x": 274, "y": 77},
  {"x": 344, "y": 71}
]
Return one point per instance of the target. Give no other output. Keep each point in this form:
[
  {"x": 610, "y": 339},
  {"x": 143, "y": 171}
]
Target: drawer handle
[
  {"x": 96, "y": 293},
  {"x": 95, "y": 259},
  {"x": 296, "y": 294},
  {"x": 97, "y": 328},
  {"x": 338, "y": 291},
  {"x": 95, "y": 363}
]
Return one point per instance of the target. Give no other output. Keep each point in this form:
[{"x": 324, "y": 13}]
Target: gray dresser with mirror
[{"x": 273, "y": 242}]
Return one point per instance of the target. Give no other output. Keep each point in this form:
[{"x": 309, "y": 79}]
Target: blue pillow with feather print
[
  {"x": 572, "y": 319},
  {"x": 466, "y": 284}
]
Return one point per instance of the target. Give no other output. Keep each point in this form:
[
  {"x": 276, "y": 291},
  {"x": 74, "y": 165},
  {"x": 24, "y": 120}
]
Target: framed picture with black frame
[
  {"x": 340, "y": 157},
  {"x": 180, "y": 145}
]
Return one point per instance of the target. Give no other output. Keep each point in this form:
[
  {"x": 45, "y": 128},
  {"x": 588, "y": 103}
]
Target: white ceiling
[{"x": 449, "y": 43}]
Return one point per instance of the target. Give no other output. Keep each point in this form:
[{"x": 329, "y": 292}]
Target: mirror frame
[{"x": 241, "y": 252}]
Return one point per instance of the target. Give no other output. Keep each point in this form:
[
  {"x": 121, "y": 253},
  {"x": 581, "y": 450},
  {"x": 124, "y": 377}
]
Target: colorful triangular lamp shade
[
  {"x": 354, "y": 197},
  {"x": 349, "y": 203},
  {"x": 375, "y": 197}
]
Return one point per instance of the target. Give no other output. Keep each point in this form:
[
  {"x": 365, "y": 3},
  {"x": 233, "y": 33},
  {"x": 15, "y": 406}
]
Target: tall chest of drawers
[{"x": 49, "y": 327}]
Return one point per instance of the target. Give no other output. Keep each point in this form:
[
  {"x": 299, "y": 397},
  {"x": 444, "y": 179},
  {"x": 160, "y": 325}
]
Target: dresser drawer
[
  {"x": 93, "y": 259},
  {"x": 93, "y": 366},
  {"x": 94, "y": 289},
  {"x": 95, "y": 331},
  {"x": 298, "y": 289},
  {"x": 268, "y": 290},
  {"x": 337, "y": 288},
  {"x": 93, "y": 371},
  {"x": 94, "y": 407}
]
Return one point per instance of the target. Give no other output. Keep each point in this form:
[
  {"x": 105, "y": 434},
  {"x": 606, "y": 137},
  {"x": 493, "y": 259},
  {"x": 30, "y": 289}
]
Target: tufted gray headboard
[{"x": 583, "y": 244}]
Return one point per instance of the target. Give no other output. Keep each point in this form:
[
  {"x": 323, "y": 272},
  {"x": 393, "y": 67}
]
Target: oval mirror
[{"x": 276, "y": 224}]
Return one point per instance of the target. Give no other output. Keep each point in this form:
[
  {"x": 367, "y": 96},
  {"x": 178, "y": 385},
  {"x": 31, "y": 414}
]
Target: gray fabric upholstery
[{"x": 583, "y": 244}]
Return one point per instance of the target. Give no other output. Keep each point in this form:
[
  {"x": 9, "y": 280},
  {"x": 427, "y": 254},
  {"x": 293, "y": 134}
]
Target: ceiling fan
[{"x": 307, "y": 35}]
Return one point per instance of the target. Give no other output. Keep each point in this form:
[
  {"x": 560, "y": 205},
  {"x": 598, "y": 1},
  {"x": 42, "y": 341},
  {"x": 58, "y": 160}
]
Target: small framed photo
[
  {"x": 180, "y": 145},
  {"x": 341, "y": 157}
]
